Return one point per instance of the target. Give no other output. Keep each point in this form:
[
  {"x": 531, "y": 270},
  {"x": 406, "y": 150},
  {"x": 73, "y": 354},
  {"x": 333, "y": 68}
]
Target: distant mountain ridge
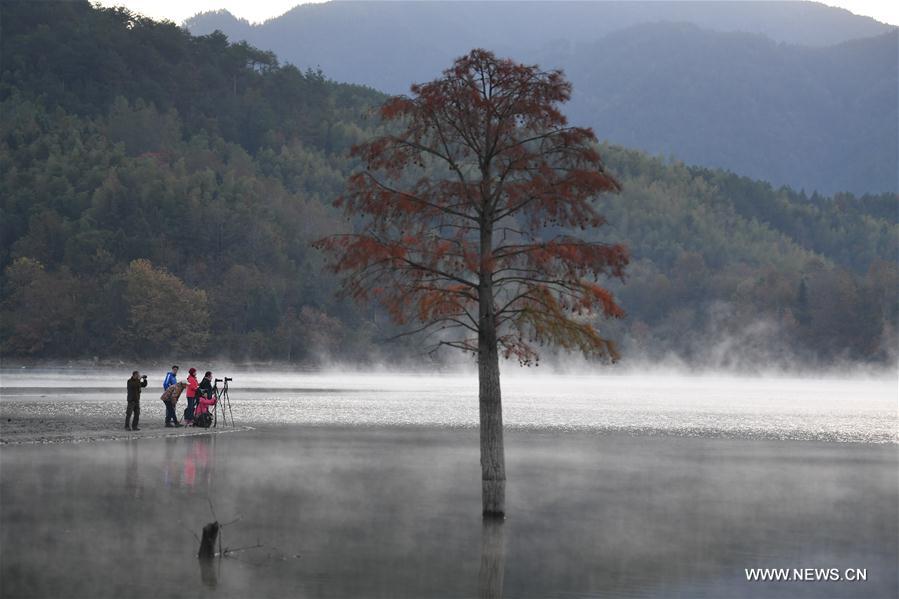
[
  {"x": 815, "y": 118},
  {"x": 802, "y": 23},
  {"x": 794, "y": 93}
]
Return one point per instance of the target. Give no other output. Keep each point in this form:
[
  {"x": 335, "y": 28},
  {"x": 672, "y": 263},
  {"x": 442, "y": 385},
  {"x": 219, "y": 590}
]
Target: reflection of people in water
[
  {"x": 198, "y": 462},
  {"x": 196, "y": 467},
  {"x": 171, "y": 467},
  {"x": 132, "y": 478}
]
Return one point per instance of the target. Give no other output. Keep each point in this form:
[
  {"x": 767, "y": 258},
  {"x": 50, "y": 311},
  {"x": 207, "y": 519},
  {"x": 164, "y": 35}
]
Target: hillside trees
[
  {"x": 153, "y": 153},
  {"x": 164, "y": 315},
  {"x": 42, "y": 312}
]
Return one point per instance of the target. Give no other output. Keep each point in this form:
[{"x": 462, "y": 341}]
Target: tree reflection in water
[{"x": 493, "y": 559}]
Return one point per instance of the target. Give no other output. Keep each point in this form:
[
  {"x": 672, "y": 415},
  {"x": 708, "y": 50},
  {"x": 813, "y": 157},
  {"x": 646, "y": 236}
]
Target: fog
[
  {"x": 395, "y": 512},
  {"x": 835, "y": 408},
  {"x": 627, "y": 483}
]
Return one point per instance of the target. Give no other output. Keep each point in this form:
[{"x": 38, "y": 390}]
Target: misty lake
[
  {"x": 368, "y": 485},
  {"x": 831, "y": 409}
]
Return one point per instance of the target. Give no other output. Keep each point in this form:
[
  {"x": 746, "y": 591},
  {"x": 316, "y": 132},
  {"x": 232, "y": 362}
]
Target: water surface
[{"x": 394, "y": 512}]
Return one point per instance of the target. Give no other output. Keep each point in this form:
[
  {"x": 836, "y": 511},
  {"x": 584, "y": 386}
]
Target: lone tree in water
[{"x": 466, "y": 214}]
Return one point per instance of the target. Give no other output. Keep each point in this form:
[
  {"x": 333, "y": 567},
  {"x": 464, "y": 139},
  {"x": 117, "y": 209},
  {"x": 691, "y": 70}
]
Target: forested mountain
[
  {"x": 125, "y": 141},
  {"x": 793, "y": 93},
  {"x": 161, "y": 191}
]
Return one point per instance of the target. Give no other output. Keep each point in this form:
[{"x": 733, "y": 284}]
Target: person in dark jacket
[
  {"x": 171, "y": 378},
  {"x": 206, "y": 385},
  {"x": 134, "y": 385}
]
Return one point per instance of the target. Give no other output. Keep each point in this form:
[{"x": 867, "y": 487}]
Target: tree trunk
[{"x": 493, "y": 462}]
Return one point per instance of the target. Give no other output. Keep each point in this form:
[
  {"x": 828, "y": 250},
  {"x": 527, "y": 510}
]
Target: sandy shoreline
[{"x": 32, "y": 430}]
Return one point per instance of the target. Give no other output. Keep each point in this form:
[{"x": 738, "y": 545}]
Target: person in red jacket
[{"x": 192, "y": 386}]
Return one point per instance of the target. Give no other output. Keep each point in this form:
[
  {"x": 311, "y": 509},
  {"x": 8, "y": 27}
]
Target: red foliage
[{"x": 466, "y": 208}]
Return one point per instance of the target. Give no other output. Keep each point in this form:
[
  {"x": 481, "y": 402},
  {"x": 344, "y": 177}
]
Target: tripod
[{"x": 222, "y": 403}]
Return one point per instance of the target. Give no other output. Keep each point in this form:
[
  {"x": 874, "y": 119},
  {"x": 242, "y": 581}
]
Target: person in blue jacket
[{"x": 171, "y": 378}]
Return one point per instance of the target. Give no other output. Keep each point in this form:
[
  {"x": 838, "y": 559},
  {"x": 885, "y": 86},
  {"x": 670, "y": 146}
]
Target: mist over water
[
  {"x": 836, "y": 408},
  {"x": 377, "y": 512},
  {"x": 368, "y": 484}
]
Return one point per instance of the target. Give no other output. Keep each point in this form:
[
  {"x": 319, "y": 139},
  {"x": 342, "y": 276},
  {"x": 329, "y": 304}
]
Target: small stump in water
[{"x": 207, "y": 543}]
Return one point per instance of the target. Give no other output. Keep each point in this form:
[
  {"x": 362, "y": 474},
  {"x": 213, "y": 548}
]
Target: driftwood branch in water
[
  {"x": 228, "y": 551},
  {"x": 232, "y": 521}
]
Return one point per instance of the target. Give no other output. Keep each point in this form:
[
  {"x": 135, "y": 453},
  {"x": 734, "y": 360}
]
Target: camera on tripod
[{"x": 222, "y": 408}]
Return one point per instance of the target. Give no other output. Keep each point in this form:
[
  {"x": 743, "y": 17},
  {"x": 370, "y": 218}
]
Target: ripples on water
[{"x": 777, "y": 408}]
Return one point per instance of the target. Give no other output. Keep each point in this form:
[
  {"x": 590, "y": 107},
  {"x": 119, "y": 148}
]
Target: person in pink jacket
[
  {"x": 204, "y": 404},
  {"x": 205, "y": 398}
]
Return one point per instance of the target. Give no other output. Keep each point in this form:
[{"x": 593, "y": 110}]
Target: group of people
[{"x": 200, "y": 396}]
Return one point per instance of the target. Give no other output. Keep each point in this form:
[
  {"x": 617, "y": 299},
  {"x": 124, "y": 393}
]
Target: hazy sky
[{"x": 260, "y": 10}]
